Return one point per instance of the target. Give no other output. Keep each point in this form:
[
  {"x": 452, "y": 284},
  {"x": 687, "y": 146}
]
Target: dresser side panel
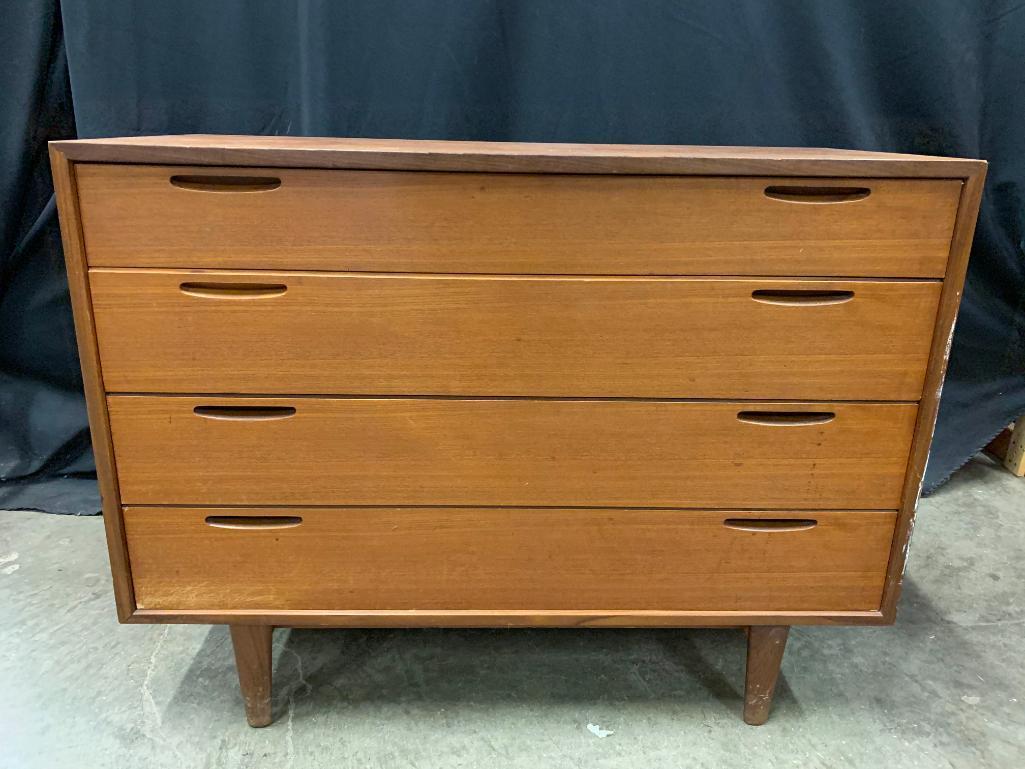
[
  {"x": 66, "y": 192},
  {"x": 950, "y": 299}
]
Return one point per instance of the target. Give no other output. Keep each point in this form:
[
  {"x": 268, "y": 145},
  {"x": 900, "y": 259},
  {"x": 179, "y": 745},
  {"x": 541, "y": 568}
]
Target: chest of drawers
[{"x": 363, "y": 383}]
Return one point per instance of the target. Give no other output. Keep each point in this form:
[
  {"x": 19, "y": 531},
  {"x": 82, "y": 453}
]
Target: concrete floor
[{"x": 945, "y": 687}]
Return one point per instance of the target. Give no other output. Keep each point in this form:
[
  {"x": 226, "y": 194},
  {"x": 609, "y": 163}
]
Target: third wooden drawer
[
  {"x": 484, "y": 451},
  {"x": 258, "y": 332}
]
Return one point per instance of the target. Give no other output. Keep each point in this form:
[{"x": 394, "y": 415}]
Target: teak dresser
[{"x": 369, "y": 383}]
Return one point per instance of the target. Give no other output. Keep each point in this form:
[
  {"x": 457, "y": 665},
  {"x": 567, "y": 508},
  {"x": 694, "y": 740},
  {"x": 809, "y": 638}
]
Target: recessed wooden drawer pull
[
  {"x": 253, "y": 521},
  {"x": 786, "y": 418},
  {"x": 767, "y": 524},
  {"x": 233, "y": 290},
  {"x": 203, "y": 183},
  {"x": 801, "y": 297},
  {"x": 245, "y": 413},
  {"x": 802, "y": 194}
]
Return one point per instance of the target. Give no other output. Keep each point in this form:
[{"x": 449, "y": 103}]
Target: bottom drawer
[{"x": 507, "y": 559}]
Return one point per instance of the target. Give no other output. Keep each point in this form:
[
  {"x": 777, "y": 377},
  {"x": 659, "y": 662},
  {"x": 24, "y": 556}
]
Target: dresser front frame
[{"x": 503, "y": 158}]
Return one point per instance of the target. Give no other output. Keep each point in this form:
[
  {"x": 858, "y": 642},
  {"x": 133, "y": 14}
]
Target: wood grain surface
[
  {"x": 133, "y": 216},
  {"x": 950, "y": 302},
  {"x": 517, "y": 450},
  {"x": 421, "y": 451},
  {"x": 504, "y": 559},
  {"x": 765, "y": 647},
  {"x": 510, "y": 157},
  {"x": 65, "y": 193},
  {"x": 254, "y": 662},
  {"x": 259, "y": 332}
]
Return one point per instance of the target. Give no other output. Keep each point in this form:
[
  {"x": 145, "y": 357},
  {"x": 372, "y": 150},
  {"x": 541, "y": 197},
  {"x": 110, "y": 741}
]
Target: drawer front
[
  {"x": 422, "y": 451},
  {"x": 260, "y": 332},
  {"x": 508, "y": 559},
  {"x": 250, "y": 218}
]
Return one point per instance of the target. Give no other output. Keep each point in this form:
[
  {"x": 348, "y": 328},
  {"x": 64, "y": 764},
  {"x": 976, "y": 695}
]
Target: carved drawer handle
[
  {"x": 801, "y": 297},
  {"x": 786, "y": 418},
  {"x": 253, "y": 521},
  {"x": 245, "y": 413},
  {"x": 204, "y": 183},
  {"x": 208, "y": 290},
  {"x": 770, "y": 524},
  {"x": 812, "y": 194}
]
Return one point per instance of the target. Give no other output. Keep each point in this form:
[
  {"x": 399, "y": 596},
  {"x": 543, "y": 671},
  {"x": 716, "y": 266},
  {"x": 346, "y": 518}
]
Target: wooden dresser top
[{"x": 510, "y": 157}]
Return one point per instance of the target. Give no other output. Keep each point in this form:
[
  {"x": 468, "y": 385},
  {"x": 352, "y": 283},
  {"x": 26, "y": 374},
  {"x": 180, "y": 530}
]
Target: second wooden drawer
[
  {"x": 258, "y": 332},
  {"x": 423, "y": 451}
]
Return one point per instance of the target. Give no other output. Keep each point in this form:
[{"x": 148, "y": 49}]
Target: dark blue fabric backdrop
[
  {"x": 933, "y": 76},
  {"x": 45, "y": 461}
]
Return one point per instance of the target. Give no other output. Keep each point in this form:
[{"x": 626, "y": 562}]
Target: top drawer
[{"x": 414, "y": 221}]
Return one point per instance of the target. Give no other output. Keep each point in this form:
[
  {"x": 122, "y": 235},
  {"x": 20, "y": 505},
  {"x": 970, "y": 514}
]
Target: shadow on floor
[{"x": 459, "y": 667}]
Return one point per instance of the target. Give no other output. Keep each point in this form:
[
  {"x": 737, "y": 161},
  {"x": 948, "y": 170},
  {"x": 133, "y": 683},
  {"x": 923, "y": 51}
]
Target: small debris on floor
[{"x": 597, "y": 731}]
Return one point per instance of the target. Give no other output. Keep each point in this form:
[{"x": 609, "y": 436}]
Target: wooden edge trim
[
  {"x": 511, "y": 158},
  {"x": 525, "y": 618},
  {"x": 950, "y": 299},
  {"x": 265, "y": 273},
  {"x": 92, "y": 379}
]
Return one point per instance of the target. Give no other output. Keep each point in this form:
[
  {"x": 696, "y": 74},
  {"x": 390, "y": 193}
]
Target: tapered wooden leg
[
  {"x": 253, "y": 659},
  {"x": 765, "y": 646}
]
